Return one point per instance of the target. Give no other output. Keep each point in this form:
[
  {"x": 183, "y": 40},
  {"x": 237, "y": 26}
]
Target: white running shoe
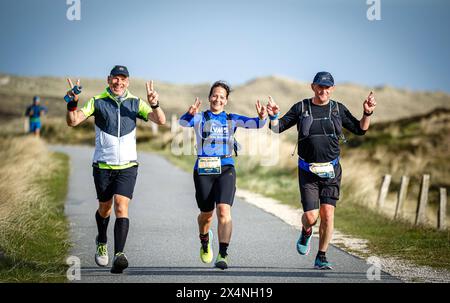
[{"x": 101, "y": 255}]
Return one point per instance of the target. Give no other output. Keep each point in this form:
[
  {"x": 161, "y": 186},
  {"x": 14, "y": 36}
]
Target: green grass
[
  {"x": 422, "y": 246},
  {"x": 39, "y": 256},
  {"x": 277, "y": 183}
]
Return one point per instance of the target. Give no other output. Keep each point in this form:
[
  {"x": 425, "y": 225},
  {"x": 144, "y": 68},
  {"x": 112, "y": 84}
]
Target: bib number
[
  {"x": 209, "y": 166},
  {"x": 323, "y": 170}
]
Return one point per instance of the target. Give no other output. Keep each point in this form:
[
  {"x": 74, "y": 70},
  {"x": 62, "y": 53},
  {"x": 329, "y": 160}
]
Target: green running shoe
[
  {"x": 101, "y": 254},
  {"x": 206, "y": 253},
  {"x": 221, "y": 262}
]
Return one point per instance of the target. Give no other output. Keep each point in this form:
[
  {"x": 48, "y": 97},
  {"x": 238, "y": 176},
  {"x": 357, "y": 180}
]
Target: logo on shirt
[{"x": 219, "y": 130}]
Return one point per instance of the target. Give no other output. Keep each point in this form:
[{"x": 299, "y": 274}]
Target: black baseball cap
[
  {"x": 119, "y": 70},
  {"x": 323, "y": 78}
]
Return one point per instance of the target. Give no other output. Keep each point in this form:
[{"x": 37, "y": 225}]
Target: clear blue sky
[{"x": 192, "y": 41}]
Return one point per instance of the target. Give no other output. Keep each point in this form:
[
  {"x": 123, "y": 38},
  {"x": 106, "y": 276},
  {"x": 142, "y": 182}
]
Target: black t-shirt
[{"x": 319, "y": 147}]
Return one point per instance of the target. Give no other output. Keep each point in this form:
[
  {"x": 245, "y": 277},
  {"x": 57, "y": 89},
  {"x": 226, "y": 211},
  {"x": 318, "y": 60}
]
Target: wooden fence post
[
  {"x": 401, "y": 196},
  {"x": 423, "y": 200},
  {"x": 174, "y": 124},
  {"x": 442, "y": 215},
  {"x": 383, "y": 191}
]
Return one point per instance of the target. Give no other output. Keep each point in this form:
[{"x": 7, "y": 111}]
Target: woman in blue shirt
[{"x": 214, "y": 173}]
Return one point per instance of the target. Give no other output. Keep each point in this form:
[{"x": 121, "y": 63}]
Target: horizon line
[{"x": 244, "y": 83}]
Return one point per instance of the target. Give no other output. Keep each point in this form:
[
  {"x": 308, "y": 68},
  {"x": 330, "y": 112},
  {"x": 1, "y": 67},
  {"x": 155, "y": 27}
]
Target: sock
[
  {"x": 223, "y": 249},
  {"x": 204, "y": 238},
  {"x": 320, "y": 254},
  {"x": 120, "y": 234},
  {"x": 305, "y": 233},
  {"x": 102, "y": 226}
]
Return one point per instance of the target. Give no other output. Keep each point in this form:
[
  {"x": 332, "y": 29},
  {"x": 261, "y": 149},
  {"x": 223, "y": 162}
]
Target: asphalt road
[{"x": 163, "y": 245}]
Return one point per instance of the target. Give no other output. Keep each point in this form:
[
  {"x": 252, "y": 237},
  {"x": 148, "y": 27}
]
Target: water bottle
[{"x": 76, "y": 90}]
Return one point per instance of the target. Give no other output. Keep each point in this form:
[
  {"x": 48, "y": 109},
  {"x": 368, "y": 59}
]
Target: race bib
[
  {"x": 209, "y": 166},
  {"x": 323, "y": 170}
]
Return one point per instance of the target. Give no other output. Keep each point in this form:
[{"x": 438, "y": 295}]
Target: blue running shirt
[{"x": 214, "y": 134}]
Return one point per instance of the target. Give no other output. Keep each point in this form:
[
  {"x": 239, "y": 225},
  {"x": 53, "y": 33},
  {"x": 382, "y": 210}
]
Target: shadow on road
[{"x": 234, "y": 271}]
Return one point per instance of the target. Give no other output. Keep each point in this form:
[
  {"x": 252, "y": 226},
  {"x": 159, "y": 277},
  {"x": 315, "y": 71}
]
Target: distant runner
[
  {"x": 319, "y": 122},
  {"x": 214, "y": 173},
  {"x": 34, "y": 113},
  {"x": 115, "y": 163}
]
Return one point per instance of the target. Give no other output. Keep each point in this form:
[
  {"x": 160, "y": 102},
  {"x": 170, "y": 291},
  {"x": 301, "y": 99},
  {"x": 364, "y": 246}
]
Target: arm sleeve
[
  {"x": 144, "y": 110},
  {"x": 288, "y": 120},
  {"x": 246, "y": 122},
  {"x": 187, "y": 120},
  {"x": 349, "y": 121},
  {"x": 88, "y": 108}
]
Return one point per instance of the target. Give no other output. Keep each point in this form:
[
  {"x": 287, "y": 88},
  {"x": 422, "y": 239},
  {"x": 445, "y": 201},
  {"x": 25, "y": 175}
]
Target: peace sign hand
[
  {"x": 370, "y": 103},
  {"x": 261, "y": 110},
  {"x": 152, "y": 95},
  {"x": 272, "y": 108},
  {"x": 70, "y": 92},
  {"x": 193, "y": 109}
]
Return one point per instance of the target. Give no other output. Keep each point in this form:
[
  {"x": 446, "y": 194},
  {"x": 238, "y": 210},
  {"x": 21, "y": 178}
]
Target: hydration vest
[
  {"x": 306, "y": 119},
  {"x": 231, "y": 140}
]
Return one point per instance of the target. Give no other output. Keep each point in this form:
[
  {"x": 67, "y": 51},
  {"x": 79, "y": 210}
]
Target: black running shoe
[{"x": 120, "y": 262}]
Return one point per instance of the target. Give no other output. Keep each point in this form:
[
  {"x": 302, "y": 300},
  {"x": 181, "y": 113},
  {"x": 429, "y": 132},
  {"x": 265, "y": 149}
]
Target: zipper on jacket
[{"x": 118, "y": 132}]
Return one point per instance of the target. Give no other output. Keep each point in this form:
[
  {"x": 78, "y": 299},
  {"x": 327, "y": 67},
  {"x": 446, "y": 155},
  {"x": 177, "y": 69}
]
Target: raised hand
[
  {"x": 261, "y": 110},
  {"x": 71, "y": 86},
  {"x": 370, "y": 103},
  {"x": 272, "y": 108},
  {"x": 152, "y": 95},
  {"x": 193, "y": 109}
]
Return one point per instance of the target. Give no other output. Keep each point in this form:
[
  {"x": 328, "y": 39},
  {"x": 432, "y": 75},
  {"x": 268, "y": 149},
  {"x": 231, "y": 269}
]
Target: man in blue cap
[
  {"x": 34, "y": 113},
  {"x": 319, "y": 123},
  {"x": 115, "y": 159}
]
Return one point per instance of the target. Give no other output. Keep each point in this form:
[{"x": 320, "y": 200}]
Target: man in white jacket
[{"x": 115, "y": 159}]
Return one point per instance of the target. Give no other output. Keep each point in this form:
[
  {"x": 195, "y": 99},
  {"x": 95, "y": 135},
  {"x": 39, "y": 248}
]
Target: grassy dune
[
  {"x": 17, "y": 92},
  {"x": 33, "y": 229},
  {"x": 413, "y": 146}
]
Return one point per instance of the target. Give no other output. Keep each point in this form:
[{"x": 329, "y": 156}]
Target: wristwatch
[
  {"x": 155, "y": 106},
  {"x": 368, "y": 114}
]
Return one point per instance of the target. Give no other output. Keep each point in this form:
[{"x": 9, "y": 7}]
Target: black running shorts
[
  {"x": 315, "y": 190},
  {"x": 212, "y": 189},
  {"x": 109, "y": 182}
]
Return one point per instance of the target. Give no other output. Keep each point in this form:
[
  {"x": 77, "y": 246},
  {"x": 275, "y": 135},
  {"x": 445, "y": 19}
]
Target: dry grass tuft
[{"x": 23, "y": 161}]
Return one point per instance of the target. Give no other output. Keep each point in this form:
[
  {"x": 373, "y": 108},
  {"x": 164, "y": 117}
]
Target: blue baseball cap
[
  {"x": 323, "y": 78},
  {"x": 119, "y": 70},
  {"x": 36, "y": 98}
]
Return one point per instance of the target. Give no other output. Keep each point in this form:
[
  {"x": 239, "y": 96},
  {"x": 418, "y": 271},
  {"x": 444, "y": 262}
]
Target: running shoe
[
  {"x": 206, "y": 253},
  {"x": 322, "y": 263},
  {"x": 221, "y": 262},
  {"x": 101, "y": 254},
  {"x": 120, "y": 262},
  {"x": 304, "y": 243}
]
